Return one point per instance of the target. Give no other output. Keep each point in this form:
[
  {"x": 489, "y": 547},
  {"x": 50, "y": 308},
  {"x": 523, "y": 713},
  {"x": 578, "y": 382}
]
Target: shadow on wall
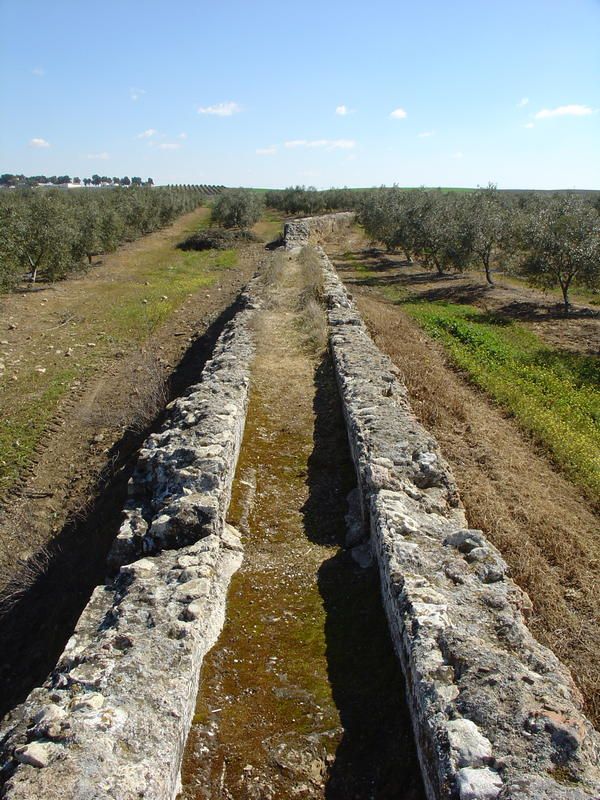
[
  {"x": 38, "y": 614},
  {"x": 376, "y": 757}
]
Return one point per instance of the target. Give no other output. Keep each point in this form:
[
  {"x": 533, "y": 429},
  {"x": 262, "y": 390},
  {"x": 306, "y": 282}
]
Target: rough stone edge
[
  {"x": 112, "y": 719},
  {"x": 310, "y": 230},
  {"x": 451, "y": 606}
]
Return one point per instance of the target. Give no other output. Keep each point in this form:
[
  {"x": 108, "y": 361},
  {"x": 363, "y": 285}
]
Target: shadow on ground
[
  {"x": 374, "y": 268},
  {"x": 39, "y": 609},
  {"x": 376, "y": 757}
]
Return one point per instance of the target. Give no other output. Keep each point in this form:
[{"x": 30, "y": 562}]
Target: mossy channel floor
[{"x": 302, "y": 696}]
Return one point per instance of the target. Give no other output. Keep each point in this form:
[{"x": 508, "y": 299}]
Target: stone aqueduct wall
[
  {"x": 313, "y": 230},
  {"x": 495, "y": 714},
  {"x": 113, "y": 718}
]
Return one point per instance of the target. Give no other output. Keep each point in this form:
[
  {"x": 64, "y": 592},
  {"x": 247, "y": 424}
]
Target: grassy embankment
[
  {"x": 121, "y": 310},
  {"x": 553, "y": 394}
]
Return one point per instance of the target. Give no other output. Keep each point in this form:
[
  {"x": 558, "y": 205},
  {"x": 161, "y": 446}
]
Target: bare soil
[
  {"x": 128, "y": 387},
  {"x": 302, "y": 697},
  {"x": 58, "y": 522},
  {"x": 540, "y": 311},
  {"x": 541, "y": 523}
]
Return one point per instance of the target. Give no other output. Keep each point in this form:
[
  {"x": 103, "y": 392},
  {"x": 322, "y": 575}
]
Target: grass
[
  {"x": 119, "y": 308},
  {"x": 270, "y": 226},
  {"x": 553, "y": 394}
]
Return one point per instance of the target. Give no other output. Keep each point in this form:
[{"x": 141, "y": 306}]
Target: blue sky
[{"x": 275, "y": 93}]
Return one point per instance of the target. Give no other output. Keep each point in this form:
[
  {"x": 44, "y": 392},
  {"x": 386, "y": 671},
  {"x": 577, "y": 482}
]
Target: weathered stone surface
[
  {"x": 495, "y": 714},
  {"x": 312, "y": 230},
  {"x": 112, "y": 720}
]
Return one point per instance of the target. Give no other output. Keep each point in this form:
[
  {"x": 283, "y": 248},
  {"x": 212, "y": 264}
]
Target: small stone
[
  {"x": 194, "y": 610},
  {"x": 469, "y": 746},
  {"x": 144, "y": 566},
  {"x": 36, "y": 754},
  {"x": 465, "y": 540},
  {"x": 478, "y": 784},
  {"x": 90, "y": 701},
  {"x": 190, "y": 590},
  {"x": 231, "y": 538}
]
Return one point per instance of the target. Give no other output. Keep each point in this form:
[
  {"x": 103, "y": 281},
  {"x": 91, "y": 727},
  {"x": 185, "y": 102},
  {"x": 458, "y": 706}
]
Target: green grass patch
[
  {"x": 20, "y": 432},
  {"x": 144, "y": 306},
  {"x": 554, "y": 394},
  {"x": 123, "y": 313}
]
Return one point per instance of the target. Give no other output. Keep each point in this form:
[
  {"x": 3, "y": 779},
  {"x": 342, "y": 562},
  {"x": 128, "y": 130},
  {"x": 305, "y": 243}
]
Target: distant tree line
[
  {"x": 47, "y": 235},
  {"x": 551, "y": 239},
  {"x": 21, "y": 181},
  {"x": 308, "y": 200}
]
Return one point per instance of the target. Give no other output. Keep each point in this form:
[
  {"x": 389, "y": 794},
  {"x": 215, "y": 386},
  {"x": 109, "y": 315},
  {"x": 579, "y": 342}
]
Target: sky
[{"x": 328, "y": 93}]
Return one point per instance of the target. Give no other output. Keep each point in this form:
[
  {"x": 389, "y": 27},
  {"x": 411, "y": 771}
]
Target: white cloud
[
  {"x": 529, "y": 125},
  {"x": 266, "y": 151},
  {"x": 457, "y": 155},
  {"x": 343, "y": 111},
  {"x": 99, "y": 156},
  {"x": 147, "y": 134},
  {"x": 182, "y": 135},
  {"x": 398, "y": 113},
  {"x": 38, "y": 72},
  {"x": 221, "y": 109},
  {"x": 135, "y": 94},
  {"x": 329, "y": 144},
  {"x": 38, "y": 143},
  {"x": 169, "y": 146},
  {"x": 572, "y": 110},
  {"x": 425, "y": 134},
  {"x": 524, "y": 101}
]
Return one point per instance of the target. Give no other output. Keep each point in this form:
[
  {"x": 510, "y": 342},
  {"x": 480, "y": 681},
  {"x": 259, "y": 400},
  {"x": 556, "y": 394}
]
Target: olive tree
[
  {"x": 46, "y": 236},
  {"x": 487, "y": 215},
  {"x": 239, "y": 208},
  {"x": 443, "y": 236},
  {"x": 560, "y": 240}
]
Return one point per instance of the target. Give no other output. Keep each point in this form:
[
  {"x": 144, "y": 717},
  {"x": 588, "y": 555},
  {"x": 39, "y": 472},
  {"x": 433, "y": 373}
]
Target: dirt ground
[
  {"x": 540, "y": 311},
  {"x": 59, "y": 520},
  {"x": 304, "y": 666},
  {"x": 100, "y": 416},
  {"x": 541, "y": 523}
]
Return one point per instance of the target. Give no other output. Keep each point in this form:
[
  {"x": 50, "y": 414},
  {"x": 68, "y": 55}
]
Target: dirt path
[{"x": 302, "y": 696}]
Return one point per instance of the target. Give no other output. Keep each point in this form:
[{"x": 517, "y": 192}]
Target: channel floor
[{"x": 302, "y": 696}]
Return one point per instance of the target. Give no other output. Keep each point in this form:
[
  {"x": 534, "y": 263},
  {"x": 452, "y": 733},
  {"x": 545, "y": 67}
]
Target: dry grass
[
  {"x": 151, "y": 395},
  {"x": 539, "y": 521},
  {"x": 272, "y": 275},
  {"x": 312, "y": 320}
]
